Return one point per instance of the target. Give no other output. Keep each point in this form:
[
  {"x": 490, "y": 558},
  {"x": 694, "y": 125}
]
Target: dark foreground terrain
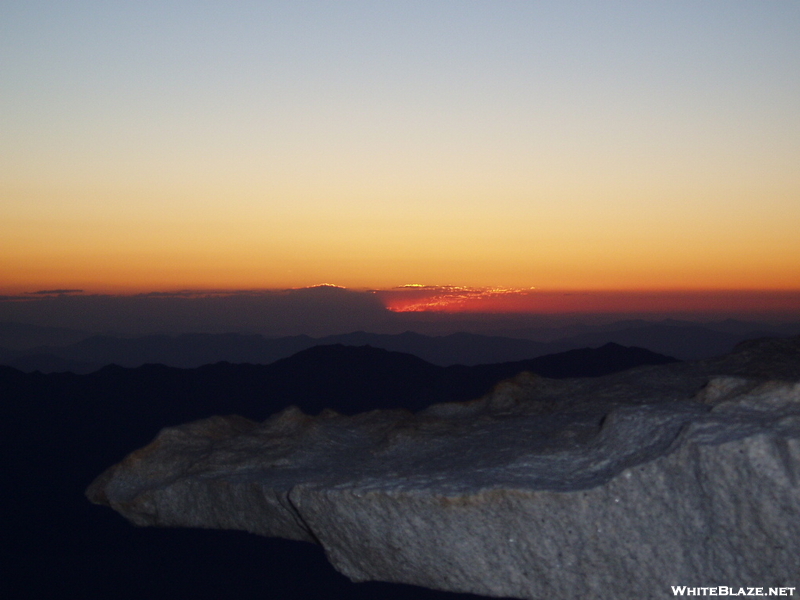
[{"x": 60, "y": 430}]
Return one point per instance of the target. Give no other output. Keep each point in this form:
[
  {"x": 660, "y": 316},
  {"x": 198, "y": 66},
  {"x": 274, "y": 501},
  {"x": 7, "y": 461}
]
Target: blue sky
[{"x": 581, "y": 145}]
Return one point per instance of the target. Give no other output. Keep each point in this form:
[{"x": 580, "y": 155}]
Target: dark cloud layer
[
  {"x": 313, "y": 311},
  {"x": 329, "y": 310}
]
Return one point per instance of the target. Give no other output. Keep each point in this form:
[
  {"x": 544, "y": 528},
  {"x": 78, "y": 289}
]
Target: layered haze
[{"x": 432, "y": 310}]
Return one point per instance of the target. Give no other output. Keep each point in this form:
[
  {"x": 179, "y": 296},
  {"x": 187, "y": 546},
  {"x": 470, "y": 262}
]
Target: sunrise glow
[
  {"x": 451, "y": 299},
  {"x": 508, "y": 154},
  {"x": 422, "y": 298}
]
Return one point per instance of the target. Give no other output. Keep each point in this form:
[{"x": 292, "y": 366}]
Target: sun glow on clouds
[
  {"x": 452, "y": 298},
  {"x": 461, "y": 299},
  {"x": 328, "y": 308}
]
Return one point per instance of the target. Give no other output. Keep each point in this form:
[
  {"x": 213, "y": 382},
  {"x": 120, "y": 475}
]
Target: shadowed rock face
[{"x": 622, "y": 486}]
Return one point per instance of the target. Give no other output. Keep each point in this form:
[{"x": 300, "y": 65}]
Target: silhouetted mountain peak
[
  {"x": 342, "y": 355},
  {"x": 681, "y": 339}
]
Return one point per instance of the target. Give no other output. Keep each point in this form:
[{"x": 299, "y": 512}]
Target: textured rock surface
[{"x": 621, "y": 486}]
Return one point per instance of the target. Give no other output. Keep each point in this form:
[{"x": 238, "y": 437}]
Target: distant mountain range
[
  {"x": 31, "y": 348},
  {"x": 347, "y": 379},
  {"x": 59, "y": 430}
]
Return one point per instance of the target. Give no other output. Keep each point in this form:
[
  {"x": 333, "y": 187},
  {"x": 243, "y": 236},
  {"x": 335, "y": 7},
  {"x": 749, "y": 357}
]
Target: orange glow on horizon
[
  {"x": 420, "y": 298},
  {"x": 627, "y": 159},
  {"x": 453, "y": 299}
]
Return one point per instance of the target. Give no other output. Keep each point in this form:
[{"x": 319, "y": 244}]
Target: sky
[{"x": 557, "y": 146}]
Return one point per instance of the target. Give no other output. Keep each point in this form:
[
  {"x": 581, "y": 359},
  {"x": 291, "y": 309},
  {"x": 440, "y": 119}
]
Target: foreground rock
[{"x": 621, "y": 486}]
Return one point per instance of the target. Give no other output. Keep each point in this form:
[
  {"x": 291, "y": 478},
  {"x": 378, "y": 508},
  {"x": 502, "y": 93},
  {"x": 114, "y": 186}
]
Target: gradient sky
[{"x": 558, "y": 145}]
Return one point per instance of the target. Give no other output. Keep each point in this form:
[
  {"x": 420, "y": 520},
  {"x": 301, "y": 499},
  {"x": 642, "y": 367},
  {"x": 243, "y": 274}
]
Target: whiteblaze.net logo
[{"x": 723, "y": 590}]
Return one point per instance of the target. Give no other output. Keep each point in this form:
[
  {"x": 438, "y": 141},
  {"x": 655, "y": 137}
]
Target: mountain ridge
[{"x": 683, "y": 340}]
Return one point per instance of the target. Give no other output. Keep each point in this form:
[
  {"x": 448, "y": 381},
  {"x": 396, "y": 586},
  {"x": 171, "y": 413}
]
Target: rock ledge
[{"x": 620, "y": 486}]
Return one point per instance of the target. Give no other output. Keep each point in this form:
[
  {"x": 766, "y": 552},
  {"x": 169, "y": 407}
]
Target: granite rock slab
[{"x": 620, "y": 486}]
